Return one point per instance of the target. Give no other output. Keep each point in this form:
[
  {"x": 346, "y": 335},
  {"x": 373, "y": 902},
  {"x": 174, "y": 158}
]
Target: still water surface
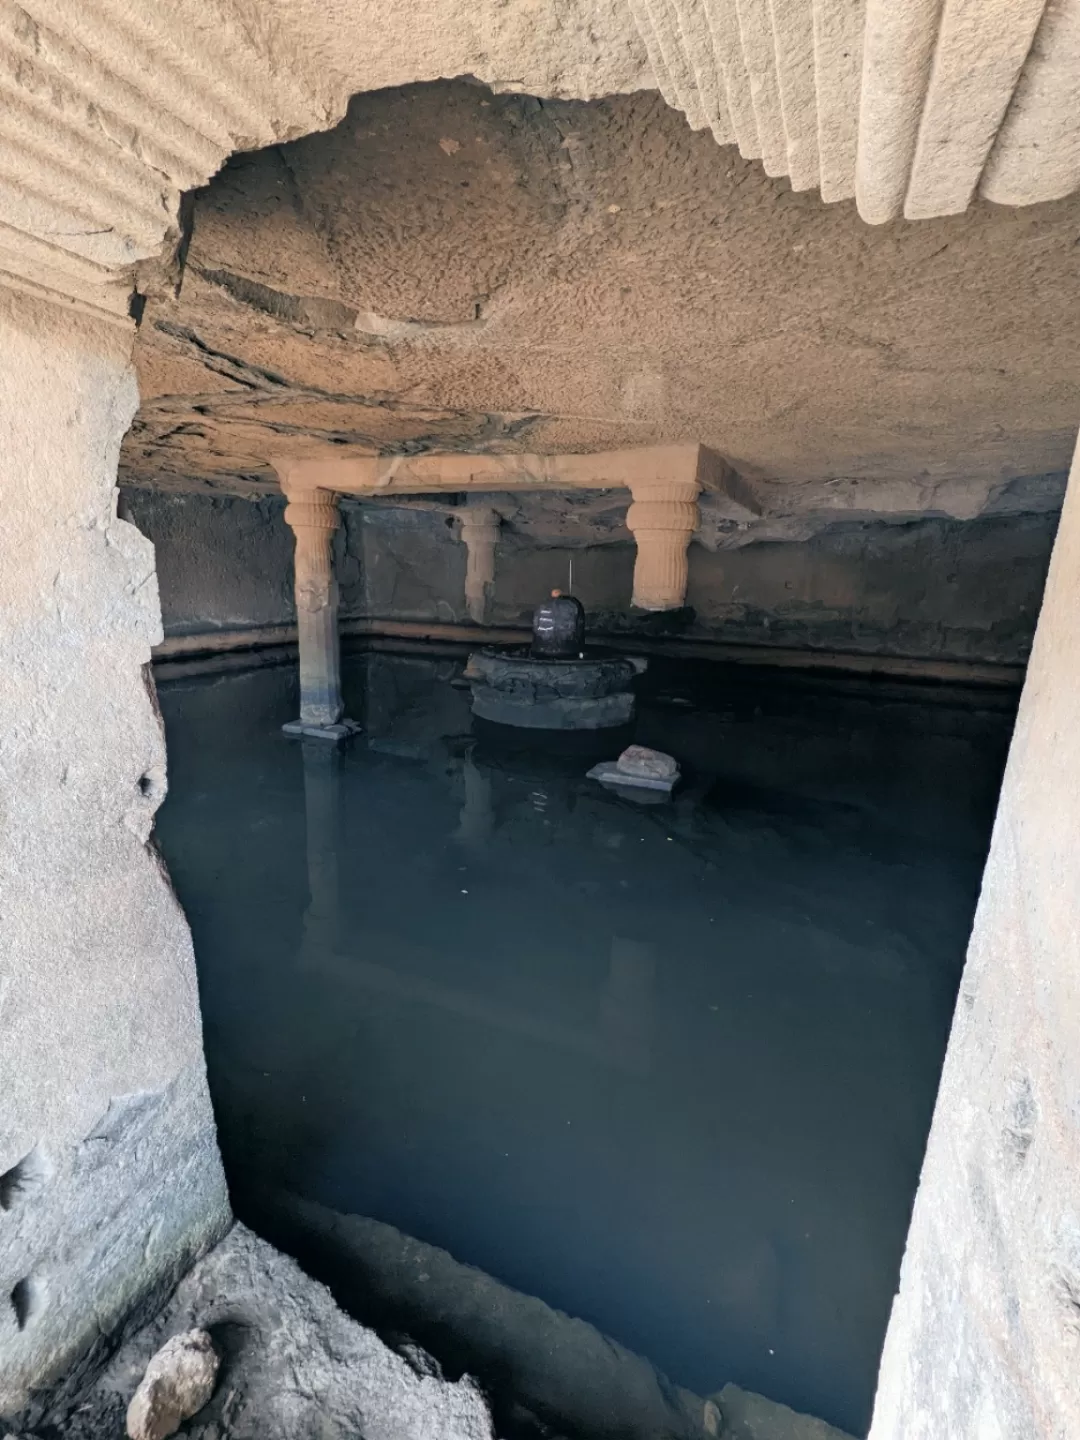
[{"x": 669, "y": 1067}]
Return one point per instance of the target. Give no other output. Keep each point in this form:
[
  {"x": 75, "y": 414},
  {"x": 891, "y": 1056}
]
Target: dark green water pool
[{"x": 669, "y": 1067}]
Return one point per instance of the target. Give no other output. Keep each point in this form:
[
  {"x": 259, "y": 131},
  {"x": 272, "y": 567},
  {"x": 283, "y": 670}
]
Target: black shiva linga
[{"x": 554, "y": 684}]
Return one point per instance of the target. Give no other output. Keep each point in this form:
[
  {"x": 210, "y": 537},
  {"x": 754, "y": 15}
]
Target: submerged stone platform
[{"x": 517, "y": 688}]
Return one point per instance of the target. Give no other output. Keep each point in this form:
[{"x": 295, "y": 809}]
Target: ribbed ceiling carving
[{"x": 108, "y": 110}]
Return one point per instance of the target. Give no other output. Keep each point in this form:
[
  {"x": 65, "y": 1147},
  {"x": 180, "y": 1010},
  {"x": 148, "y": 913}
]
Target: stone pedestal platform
[{"x": 593, "y": 693}]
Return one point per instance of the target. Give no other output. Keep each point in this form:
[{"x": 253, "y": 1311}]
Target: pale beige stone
[
  {"x": 179, "y": 1381},
  {"x": 664, "y": 481},
  {"x": 1036, "y": 155},
  {"x": 651, "y": 764},
  {"x": 759, "y": 51},
  {"x": 312, "y": 515},
  {"x": 639, "y": 9},
  {"x": 838, "y": 53},
  {"x": 697, "y": 41},
  {"x": 662, "y": 518},
  {"x": 898, "y": 51},
  {"x": 665, "y": 23},
  {"x": 727, "y": 47},
  {"x": 110, "y": 110},
  {"x": 710, "y": 305},
  {"x": 981, "y": 50},
  {"x": 793, "y": 38}
]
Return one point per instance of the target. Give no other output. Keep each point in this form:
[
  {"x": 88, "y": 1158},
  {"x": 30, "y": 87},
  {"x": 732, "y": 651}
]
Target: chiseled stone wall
[
  {"x": 984, "y": 1341},
  {"x": 109, "y": 1172},
  {"x": 934, "y": 588}
]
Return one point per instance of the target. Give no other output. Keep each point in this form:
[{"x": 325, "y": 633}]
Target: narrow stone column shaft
[
  {"x": 662, "y": 518},
  {"x": 313, "y": 517},
  {"x": 480, "y": 535}
]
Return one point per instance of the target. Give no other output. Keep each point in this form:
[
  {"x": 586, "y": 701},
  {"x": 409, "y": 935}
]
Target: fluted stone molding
[
  {"x": 313, "y": 516},
  {"x": 479, "y": 527},
  {"x": 109, "y": 111},
  {"x": 910, "y": 106},
  {"x": 662, "y": 518}
]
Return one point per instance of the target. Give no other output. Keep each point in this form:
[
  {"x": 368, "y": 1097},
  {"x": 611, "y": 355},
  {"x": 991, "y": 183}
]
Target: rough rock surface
[
  {"x": 110, "y": 1179},
  {"x": 546, "y": 1373},
  {"x": 294, "y": 1367},
  {"x": 454, "y": 269},
  {"x": 178, "y": 1382}
]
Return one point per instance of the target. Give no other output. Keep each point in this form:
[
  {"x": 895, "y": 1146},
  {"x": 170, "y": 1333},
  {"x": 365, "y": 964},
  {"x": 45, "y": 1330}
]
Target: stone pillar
[
  {"x": 110, "y": 1179},
  {"x": 984, "y": 1339},
  {"x": 662, "y": 518},
  {"x": 313, "y": 517},
  {"x": 480, "y": 534}
]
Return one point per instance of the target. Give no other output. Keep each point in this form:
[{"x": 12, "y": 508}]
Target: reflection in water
[{"x": 668, "y": 1067}]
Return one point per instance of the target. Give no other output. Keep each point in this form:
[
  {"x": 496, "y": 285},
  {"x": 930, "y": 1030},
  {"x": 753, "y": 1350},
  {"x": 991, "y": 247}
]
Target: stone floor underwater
[{"x": 296, "y": 1367}]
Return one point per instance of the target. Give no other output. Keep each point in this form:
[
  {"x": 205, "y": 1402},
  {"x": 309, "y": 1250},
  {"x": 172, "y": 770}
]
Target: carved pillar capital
[
  {"x": 312, "y": 510},
  {"x": 313, "y": 516},
  {"x": 662, "y": 518}
]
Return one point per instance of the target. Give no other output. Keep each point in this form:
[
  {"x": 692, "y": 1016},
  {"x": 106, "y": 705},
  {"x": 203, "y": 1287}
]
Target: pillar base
[{"x": 335, "y": 734}]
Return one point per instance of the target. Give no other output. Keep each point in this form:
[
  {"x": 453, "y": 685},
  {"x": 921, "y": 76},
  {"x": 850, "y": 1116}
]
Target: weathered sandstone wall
[
  {"x": 935, "y": 588},
  {"x": 110, "y": 1179}
]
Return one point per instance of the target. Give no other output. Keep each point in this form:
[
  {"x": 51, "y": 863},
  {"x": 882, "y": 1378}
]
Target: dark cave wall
[
  {"x": 222, "y": 563},
  {"x": 934, "y": 588}
]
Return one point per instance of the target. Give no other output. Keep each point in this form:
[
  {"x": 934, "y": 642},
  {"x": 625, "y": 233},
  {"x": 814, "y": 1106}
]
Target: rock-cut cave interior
[{"x": 599, "y": 1111}]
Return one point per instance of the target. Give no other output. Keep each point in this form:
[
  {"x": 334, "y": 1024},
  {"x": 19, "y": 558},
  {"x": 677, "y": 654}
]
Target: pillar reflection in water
[
  {"x": 322, "y": 791},
  {"x": 476, "y": 824}
]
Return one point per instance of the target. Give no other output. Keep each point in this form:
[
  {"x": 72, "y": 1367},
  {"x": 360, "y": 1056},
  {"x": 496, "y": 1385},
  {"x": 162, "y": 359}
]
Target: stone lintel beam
[
  {"x": 664, "y": 480},
  {"x": 312, "y": 515},
  {"x": 479, "y": 526},
  {"x": 457, "y": 473}
]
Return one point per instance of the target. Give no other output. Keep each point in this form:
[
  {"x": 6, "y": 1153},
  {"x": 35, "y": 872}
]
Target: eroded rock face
[
  {"x": 456, "y": 270},
  {"x": 110, "y": 1178},
  {"x": 293, "y": 1366}
]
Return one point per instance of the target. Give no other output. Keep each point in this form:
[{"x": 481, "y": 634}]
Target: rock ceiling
[{"x": 452, "y": 269}]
